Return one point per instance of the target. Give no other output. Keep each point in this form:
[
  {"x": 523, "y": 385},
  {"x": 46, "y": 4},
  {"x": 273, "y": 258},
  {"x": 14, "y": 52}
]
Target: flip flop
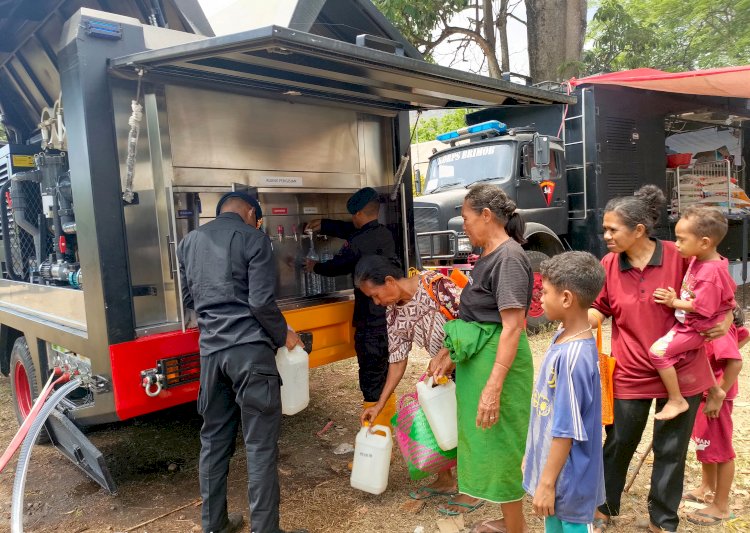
[
  {"x": 423, "y": 493},
  {"x": 710, "y": 520},
  {"x": 690, "y": 497},
  {"x": 469, "y": 508},
  {"x": 487, "y": 527}
]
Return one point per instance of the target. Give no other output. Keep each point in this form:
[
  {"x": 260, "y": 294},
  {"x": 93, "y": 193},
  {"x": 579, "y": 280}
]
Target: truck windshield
[{"x": 462, "y": 167}]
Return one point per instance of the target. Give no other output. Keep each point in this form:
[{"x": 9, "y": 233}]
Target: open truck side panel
[{"x": 90, "y": 281}]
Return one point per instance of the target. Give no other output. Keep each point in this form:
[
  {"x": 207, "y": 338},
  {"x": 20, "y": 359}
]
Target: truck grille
[{"x": 427, "y": 219}]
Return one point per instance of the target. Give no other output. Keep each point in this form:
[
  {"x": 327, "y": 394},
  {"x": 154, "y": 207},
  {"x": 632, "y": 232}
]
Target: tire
[
  {"x": 23, "y": 384},
  {"x": 536, "y": 320}
]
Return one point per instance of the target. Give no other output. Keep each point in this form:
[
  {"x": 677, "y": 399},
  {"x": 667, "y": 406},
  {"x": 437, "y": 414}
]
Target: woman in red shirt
[{"x": 636, "y": 266}]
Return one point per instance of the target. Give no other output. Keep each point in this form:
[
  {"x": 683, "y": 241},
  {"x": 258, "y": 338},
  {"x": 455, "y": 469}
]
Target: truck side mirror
[
  {"x": 417, "y": 181},
  {"x": 540, "y": 170}
]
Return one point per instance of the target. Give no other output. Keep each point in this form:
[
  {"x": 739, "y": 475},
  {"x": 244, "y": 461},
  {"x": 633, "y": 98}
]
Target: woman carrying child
[
  {"x": 706, "y": 296},
  {"x": 494, "y": 370},
  {"x": 636, "y": 266},
  {"x": 417, "y": 308}
]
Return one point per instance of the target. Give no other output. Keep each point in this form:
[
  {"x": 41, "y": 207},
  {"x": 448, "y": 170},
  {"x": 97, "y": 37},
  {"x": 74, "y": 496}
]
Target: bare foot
[
  {"x": 601, "y": 522},
  {"x": 672, "y": 409}
]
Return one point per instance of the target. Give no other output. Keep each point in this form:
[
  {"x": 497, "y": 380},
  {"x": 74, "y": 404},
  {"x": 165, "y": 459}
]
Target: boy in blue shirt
[{"x": 563, "y": 469}]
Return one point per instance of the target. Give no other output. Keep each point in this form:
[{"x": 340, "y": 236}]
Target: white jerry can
[
  {"x": 440, "y": 408},
  {"x": 372, "y": 459},
  {"x": 294, "y": 369}
]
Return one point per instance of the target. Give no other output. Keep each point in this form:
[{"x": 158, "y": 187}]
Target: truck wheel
[
  {"x": 536, "y": 320},
  {"x": 23, "y": 386}
]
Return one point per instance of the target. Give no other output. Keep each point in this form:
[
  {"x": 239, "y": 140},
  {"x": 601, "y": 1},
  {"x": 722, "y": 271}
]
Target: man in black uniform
[
  {"x": 228, "y": 277},
  {"x": 364, "y": 236}
]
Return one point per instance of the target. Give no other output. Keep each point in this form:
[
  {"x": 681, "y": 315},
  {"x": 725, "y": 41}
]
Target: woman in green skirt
[{"x": 494, "y": 369}]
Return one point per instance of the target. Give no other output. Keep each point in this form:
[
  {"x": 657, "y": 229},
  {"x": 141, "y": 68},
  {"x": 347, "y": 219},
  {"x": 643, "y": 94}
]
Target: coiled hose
[{"x": 16, "y": 510}]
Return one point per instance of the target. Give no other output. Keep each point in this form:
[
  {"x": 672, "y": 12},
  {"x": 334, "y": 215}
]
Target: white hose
[
  {"x": 135, "y": 127},
  {"x": 16, "y": 511}
]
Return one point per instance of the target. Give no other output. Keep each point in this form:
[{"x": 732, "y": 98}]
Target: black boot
[{"x": 235, "y": 523}]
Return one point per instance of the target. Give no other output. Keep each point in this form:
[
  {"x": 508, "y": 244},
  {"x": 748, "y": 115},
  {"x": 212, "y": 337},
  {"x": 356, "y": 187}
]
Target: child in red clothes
[
  {"x": 712, "y": 432},
  {"x": 706, "y": 295}
]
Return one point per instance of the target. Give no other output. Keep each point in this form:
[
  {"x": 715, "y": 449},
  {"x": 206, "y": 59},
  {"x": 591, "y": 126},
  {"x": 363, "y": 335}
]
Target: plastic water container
[
  {"x": 294, "y": 369},
  {"x": 372, "y": 459},
  {"x": 439, "y": 406}
]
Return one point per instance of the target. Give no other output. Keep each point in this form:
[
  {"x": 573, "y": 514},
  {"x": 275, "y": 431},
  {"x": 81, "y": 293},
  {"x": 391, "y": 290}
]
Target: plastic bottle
[
  {"x": 313, "y": 283},
  {"x": 294, "y": 369},
  {"x": 328, "y": 282},
  {"x": 372, "y": 459},
  {"x": 439, "y": 406}
]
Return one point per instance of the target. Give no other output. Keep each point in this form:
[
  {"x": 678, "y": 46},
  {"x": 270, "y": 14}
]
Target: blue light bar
[
  {"x": 495, "y": 126},
  {"x": 443, "y": 137}
]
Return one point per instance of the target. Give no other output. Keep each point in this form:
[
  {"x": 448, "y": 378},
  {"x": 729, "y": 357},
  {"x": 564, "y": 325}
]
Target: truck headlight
[{"x": 464, "y": 245}]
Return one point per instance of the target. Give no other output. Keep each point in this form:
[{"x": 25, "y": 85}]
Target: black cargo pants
[
  {"x": 371, "y": 345},
  {"x": 671, "y": 440},
  {"x": 240, "y": 385}
]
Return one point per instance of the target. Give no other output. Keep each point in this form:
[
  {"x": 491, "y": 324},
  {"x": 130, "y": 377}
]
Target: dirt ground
[{"x": 154, "y": 462}]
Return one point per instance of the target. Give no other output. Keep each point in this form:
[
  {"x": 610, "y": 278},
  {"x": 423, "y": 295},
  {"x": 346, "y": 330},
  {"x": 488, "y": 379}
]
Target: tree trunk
[
  {"x": 488, "y": 32},
  {"x": 555, "y": 31},
  {"x": 502, "y": 29}
]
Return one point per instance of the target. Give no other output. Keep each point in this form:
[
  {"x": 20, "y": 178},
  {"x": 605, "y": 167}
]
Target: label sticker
[
  {"x": 184, "y": 213},
  {"x": 281, "y": 181},
  {"x": 22, "y": 160},
  {"x": 279, "y": 211},
  {"x": 310, "y": 210},
  {"x": 548, "y": 190}
]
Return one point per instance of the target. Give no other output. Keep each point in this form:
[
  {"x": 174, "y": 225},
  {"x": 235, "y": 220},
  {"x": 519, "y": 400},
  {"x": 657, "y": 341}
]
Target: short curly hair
[
  {"x": 578, "y": 272},
  {"x": 706, "y": 221}
]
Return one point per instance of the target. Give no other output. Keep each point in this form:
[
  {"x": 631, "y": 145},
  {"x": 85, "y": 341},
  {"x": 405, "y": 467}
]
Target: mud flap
[{"x": 67, "y": 438}]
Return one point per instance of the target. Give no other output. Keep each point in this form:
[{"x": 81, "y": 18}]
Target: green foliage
[
  {"x": 671, "y": 35},
  {"x": 417, "y": 19},
  {"x": 428, "y": 129}
]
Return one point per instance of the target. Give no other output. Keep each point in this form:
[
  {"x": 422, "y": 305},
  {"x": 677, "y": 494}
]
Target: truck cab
[{"x": 490, "y": 152}]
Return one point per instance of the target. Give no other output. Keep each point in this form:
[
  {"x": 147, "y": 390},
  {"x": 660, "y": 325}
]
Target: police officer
[
  {"x": 228, "y": 277},
  {"x": 364, "y": 236}
]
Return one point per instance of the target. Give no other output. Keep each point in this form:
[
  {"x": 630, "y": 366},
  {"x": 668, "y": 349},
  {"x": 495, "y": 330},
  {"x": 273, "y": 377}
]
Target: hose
[
  {"x": 16, "y": 511},
  {"x": 135, "y": 127},
  {"x": 24, "y": 429}
]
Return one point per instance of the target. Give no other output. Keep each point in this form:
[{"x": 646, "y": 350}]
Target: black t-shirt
[{"x": 501, "y": 280}]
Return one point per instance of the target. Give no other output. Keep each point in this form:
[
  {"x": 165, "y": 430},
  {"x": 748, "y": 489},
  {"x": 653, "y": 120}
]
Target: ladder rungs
[
  {"x": 575, "y": 142},
  {"x": 576, "y": 167},
  {"x": 573, "y": 117},
  {"x": 575, "y": 193}
]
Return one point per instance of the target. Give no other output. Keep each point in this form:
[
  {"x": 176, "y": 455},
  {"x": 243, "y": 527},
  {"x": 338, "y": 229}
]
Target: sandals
[
  {"x": 707, "y": 498},
  {"x": 468, "y": 506},
  {"x": 423, "y": 493},
  {"x": 708, "y": 519},
  {"x": 488, "y": 527}
]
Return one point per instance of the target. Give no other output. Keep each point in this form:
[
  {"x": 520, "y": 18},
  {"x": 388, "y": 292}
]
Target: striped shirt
[
  {"x": 420, "y": 320},
  {"x": 567, "y": 403}
]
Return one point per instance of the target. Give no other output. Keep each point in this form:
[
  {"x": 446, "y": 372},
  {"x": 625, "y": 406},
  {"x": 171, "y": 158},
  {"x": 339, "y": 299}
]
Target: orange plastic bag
[{"x": 606, "y": 372}]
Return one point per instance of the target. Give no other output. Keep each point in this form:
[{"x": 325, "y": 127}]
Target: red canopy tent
[{"x": 732, "y": 82}]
